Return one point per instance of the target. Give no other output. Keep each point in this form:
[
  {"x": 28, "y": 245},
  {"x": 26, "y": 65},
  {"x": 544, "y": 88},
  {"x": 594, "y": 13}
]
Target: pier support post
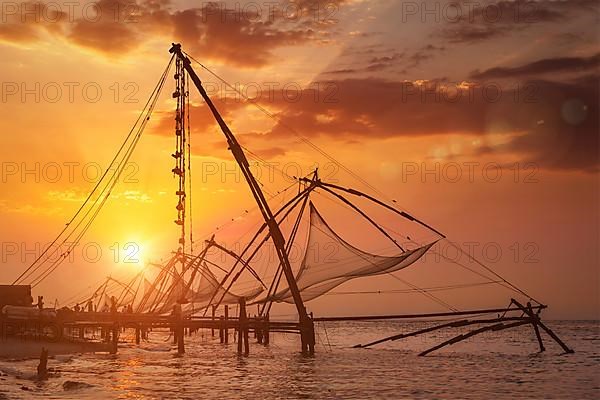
[
  {"x": 221, "y": 329},
  {"x": 266, "y": 331},
  {"x": 115, "y": 339},
  {"x": 225, "y": 330},
  {"x": 178, "y": 329},
  {"x": 137, "y": 335},
  {"x": 243, "y": 329},
  {"x": 42, "y": 369},
  {"x": 258, "y": 329},
  {"x": 534, "y": 322},
  {"x": 214, "y": 310}
]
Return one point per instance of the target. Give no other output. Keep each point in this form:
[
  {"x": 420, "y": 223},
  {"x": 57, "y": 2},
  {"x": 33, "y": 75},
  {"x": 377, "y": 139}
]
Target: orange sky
[{"x": 403, "y": 97}]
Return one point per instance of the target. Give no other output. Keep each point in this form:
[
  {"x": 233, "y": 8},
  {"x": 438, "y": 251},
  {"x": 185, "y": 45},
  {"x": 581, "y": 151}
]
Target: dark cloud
[
  {"x": 553, "y": 124},
  {"x": 392, "y": 61},
  {"x": 244, "y": 41},
  {"x": 113, "y": 30},
  {"x": 566, "y": 133},
  {"x": 203, "y": 119},
  {"x": 488, "y": 21},
  {"x": 241, "y": 36},
  {"x": 549, "y": 65}
]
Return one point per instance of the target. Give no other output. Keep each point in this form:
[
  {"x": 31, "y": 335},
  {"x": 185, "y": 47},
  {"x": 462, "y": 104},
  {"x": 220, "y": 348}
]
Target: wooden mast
[{"x": 306, "y": 324}]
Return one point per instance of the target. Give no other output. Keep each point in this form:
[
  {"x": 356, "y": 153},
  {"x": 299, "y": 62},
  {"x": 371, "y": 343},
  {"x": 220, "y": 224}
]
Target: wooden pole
[
  {"x": 115, "y": 338},
  {"x": 243, "y": 329},
  {"x": 225, "y": 330},
  {"x": 266, "y": 331},
  {"x": 534, "y": 321},
  {"x": 451, "y": 324},
  {"x": 221, "y": 329},
  {"x": 428, "y": 315},
  {"x": 258, "y": 329},
  {"x": 545, "y": 328},
  {"x": 459, "y": 338},
  {"x": 179, "y": 331},
  {"x": 311, "y": 335},
  {"x": 42, "y": 369},
  {"x": 137, "y": 334},
  {"x": 115, "y": 327},
  {"x": 214, "y": 310}
]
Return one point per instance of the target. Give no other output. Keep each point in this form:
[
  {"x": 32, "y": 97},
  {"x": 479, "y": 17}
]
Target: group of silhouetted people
[{"x": 90, "y": 307}]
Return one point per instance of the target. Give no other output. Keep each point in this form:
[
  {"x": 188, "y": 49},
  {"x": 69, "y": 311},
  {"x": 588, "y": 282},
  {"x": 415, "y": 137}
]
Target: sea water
[{"x": 498, "y": 365}]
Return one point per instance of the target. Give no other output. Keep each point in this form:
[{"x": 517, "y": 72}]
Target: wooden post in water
[
  {"x": 214, "y": 310},
  {"x": 258, "y": 329},
  {"x": 225, "y": 330},
  {"x": 544, "y": 327},
  {"x": 313, "y": 341},
  {"x": 255, "y": 330},
  {"x": 137, "y": 334},
  {"x": 266, "y": 333},
  {"x": 534, "y": 322},
  {"x": 221, "y": 329},
  {"x": 243, "y": 329},
  {"x": 115, "y": 327},
  {"x": 178, "y": 329},
  {"x": 42, "y": 369},
  {"x": 114, "y": 338}
]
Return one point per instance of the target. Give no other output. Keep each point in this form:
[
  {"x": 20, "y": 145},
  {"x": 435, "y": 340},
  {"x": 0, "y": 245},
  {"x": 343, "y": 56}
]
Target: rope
[
  {"x": 293, "y": 131},
  {"x": 109, "y": 186},
  {"x": 29, "y": 271}
]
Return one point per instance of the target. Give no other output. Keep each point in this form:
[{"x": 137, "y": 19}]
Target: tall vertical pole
[{"x": 180, "y": 155}]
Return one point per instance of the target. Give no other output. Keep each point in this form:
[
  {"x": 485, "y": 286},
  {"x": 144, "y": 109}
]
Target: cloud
[
  {"x": 545, "y": 66},
  {"x": 554, "y": 124},
  {"x": 28, "y": 22},
  {"x": 113, "y": 30},
  {"x": 201, "y": 116},
  {"x": 467, "y": 24},
  {"x": 240, "y": 36},
  {"x": 243, "y": 40}
]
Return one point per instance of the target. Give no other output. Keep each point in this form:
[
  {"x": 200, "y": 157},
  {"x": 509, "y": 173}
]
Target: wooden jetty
[
  {"x": 83, "y": 325},
  {"x": 80, "y": 324}
]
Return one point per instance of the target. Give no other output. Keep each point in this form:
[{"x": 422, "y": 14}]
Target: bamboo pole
[
  {"x": 534, "y": 322},
  {"x": 212, "y": 331},
  {"x": 427, "y": 315},
  {"x": 137, "y": 334},
  {"x": 266, "y": 331},
  {"x": 460, "y": 338},
  {"x": 453, "y": 324},
  {"x": 545, "y": 328},
  {"x": 243, "y": 329},
  {"x": 225, "y": 329}
]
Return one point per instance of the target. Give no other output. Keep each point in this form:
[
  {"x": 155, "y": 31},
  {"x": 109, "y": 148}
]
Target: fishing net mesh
[{"x": 330, "y": 261}]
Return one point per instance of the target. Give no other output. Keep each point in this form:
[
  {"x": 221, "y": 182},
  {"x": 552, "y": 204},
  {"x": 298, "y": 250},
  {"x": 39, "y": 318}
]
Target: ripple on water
[{"x": 486, "y": 367}]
